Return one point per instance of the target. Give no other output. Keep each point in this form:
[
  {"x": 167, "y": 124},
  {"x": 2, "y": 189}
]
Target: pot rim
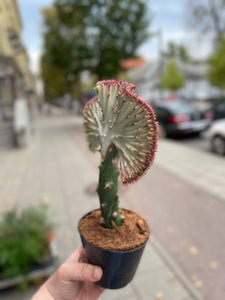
[{"x": 108, "y": 250}]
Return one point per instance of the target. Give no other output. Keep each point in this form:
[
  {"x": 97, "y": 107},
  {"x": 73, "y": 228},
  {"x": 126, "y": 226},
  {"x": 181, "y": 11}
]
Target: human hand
[{"x": 74, "y": 280}]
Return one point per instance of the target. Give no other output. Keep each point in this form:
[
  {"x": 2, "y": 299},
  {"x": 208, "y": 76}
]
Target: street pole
[{"x": 159, "y": 35}]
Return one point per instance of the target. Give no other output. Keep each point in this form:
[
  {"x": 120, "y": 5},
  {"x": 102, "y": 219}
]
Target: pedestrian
[
  {"x": 21, "y": 121},
  {"x": 74, "y": 280}
]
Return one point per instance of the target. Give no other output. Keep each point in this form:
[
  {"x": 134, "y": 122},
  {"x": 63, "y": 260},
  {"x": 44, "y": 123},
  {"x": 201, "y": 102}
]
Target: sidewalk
[
  {"x": 201, "y": 169},
  {"x": 59, "y": 170}
]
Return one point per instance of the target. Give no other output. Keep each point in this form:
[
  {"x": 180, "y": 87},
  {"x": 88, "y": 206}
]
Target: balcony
[
  {"x": 12, "y": 34},
  {"x": 15, "y": 40}
]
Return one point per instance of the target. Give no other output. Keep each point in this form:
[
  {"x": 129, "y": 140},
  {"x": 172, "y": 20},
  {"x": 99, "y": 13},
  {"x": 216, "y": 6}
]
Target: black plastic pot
[{"x": 118, "y": 267}]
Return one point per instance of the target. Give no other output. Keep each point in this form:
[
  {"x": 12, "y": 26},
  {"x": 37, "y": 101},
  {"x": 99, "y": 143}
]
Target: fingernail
[{"x": 96, "y": 273}]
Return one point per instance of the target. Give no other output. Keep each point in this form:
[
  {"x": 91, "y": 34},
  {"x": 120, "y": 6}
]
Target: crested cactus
[{"x": 123, "y": 128}]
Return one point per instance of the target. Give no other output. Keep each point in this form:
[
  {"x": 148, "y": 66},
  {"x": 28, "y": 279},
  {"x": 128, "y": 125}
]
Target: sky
[{"x": 169, "y": 19}]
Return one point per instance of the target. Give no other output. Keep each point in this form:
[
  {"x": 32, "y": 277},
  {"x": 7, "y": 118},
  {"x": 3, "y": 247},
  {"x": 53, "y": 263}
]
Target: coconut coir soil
[{"x": 130, "y": 235}]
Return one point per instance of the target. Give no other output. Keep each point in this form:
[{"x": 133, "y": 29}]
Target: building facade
[
  {"x": 15, "y": 76},
  {"x": 148, "y": 80}
]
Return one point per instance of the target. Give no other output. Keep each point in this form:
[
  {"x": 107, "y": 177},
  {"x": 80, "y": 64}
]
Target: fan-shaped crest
[{"x": 117, "y": 116}]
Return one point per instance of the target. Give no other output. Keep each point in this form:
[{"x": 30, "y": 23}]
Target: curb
[{"x": 185, "y": 282}]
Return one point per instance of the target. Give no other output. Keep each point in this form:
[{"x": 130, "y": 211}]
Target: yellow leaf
[
  {"x": 213, "y": 265},
  {"x": 198, "y": 284},
  {"x": 194, "y": 278},
  {"x": 193, "y": 250},
  {"x": 196, "y": 281},
  {"x": 159, "y": 296}
]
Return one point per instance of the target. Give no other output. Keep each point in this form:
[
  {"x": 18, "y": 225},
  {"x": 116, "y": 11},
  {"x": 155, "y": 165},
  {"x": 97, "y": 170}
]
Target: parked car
[
  {"x": 180, "y": 118},
  {"x": 216, "y": 136},
  {"x": 218, "y": 109}
]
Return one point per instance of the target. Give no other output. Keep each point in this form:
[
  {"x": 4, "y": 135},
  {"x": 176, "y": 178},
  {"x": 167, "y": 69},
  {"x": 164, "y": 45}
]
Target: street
[
  {"x": 194, "y": 141},
  {"x": 189, "y": 225},
  {"x": 57, "y": 169},
  {"x": 73, "y": 67}
]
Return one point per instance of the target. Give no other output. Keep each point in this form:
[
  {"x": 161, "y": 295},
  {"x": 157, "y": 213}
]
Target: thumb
[{"x": 71, "y": 271}]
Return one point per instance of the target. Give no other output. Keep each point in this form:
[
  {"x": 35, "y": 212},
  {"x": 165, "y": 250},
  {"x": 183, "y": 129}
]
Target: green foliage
[
  {"x": 171, "y": 78},
  {"x": 23, "y": 240},
  {"x": 121, "y": 28},
  {"x": 217, "y": 66},
  {"x": 177, "y": 51},
  {"x": 91, "y": 35},
  {"x": 61, "y": 61},
  {"x": 50, "y": 72}
]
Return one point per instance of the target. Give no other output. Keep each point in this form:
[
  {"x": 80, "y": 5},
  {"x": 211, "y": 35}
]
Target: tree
[
  {"x": 171, "y": 78},
  {"x": 217, "y": 66},
  {"x": 183, "y": 54},
  {"x": 92, "y": 35},
  {"x": 177, "y": 51},
  {"x": 207, "y": 16},
  {"x": 120, "y": 29},
  {"x": 65, "y": 52}
]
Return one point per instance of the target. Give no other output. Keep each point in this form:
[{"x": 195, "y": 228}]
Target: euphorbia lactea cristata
[{"x": 123, "y": 128}]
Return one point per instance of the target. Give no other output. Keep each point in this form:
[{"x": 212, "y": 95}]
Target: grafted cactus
[{"x": 123, "y": 128}]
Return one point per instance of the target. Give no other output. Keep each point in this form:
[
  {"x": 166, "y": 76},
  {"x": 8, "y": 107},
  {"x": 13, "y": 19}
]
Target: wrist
[{"x": 43, "y": 293}]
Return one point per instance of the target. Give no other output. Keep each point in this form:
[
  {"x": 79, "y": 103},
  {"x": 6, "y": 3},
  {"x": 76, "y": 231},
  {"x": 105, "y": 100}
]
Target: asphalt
[{"x": 58, "y": 169}]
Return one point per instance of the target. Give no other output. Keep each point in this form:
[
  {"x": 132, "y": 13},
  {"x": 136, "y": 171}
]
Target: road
[
  {"x": 194, "y": 141},
  {"x": 187, "y": 220},
  {"x": 189, "y": 224}
]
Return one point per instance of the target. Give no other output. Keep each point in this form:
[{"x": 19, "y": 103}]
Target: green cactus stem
[
  {"x": 123, "y": 128},
  {"x": 107, "y": 189}
]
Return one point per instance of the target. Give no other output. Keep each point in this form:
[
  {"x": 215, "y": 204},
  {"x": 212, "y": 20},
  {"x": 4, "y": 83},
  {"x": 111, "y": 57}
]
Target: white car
[{"x": 216, "y": 136}]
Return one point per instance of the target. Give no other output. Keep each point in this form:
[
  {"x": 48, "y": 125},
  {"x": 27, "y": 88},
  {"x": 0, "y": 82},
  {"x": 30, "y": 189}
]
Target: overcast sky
[{"x": 168, "y": 16}]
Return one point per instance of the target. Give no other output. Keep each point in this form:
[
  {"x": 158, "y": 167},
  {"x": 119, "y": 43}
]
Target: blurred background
[{"x": 52, "y": 53}]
